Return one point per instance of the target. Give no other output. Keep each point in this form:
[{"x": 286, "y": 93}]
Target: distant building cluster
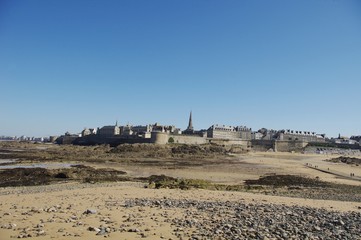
[
  {"x": 162, "y": 134},
  {"x": 356, "y": 138},
  {"x": 24, "y": 138},
  {"x": 288, "y": 135},
  {"x": 345, "y": 140},
  {"x": 130, "y": 131}
]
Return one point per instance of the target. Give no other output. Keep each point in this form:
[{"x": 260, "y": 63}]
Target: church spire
[{"x": 190, "y": 124}]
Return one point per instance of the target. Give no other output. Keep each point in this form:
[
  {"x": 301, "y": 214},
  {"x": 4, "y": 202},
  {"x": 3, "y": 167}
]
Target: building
[
  {"x": 165, "y": 128},
  {"x": 266, "y": 134},
  {"x": 345, "y": 140},
  {"x": 109, "y": 131},
  {"x": 257, "y": 136},
  {"x": 126, "y": 130},
  {"x": 67, "y": 138},
  {"x": 306, "y": 136},
  {"x": 137, "y": 131},
  {"x": 89, "y": 131},
  {"x": 356, "y": 138},
  {"x": 190, "y": 129},
  {"x": 143, "y": 131},
  {"x": 229, "y": 132}
]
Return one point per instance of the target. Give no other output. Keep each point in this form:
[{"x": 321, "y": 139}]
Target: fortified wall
[
  {"x": 278, "y": 146},
  {"x": 262, "y": 145},
  {"x": 289, "y": 146},
  {"x": 236, "y": 145},
  {"x": 164, "y": 138}
]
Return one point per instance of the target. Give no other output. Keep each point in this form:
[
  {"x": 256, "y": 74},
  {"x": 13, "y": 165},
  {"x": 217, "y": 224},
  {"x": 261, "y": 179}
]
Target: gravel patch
[{"x": 238, "y": 220}]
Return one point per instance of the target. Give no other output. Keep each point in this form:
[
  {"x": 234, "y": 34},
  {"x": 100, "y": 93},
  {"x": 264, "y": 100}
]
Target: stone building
[
  {"x": 345, "y": 140},
  {"x": 143, "y": 131},
  {"x": 267, "y": 134},
  {"x": 229, "y": 132},
  {"x": 88, "y": 131},
  {"x": 137, "y": 131},
  {"x": 307, "y": 136},
  {"x": 109, "y": 131},
  {"x": 190, "y": 130},
  {"x": 257, "y": 136},
  {"x": 356, "y": 138},
  {"x": 165, "y": 128},
  {"x": 126, "y": 130}
]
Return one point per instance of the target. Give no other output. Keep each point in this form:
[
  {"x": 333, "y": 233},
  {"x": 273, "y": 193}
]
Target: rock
[
  {"x": 40, "y": 232},
  {"x": 12, "y": 225},
  {"x": 52, "y": 209},
  {"x": 101, "y": 232},
  {"x": 317, "y": 228},
  {"x": 93, "y": 229},
  {"x": 90, "y": 211},
  {"x": 40, "y": 225}
]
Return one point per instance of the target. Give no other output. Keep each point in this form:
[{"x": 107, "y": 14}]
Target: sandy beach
[
  {"x": 60, "y": 210},
  {"x": 131, "y": 210}
]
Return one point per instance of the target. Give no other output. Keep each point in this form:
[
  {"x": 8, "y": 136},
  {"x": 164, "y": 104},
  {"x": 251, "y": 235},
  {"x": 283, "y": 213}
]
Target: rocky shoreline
[{"x": 238, "y": 220}]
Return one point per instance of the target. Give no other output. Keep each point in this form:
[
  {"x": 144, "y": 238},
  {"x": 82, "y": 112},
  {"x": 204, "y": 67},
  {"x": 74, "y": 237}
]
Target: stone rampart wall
[
  {"x": 159, "y": 137},
  {"x": 164, "y": 138},
  {"x": 289, "y": 146},
  {"x": 262, "y": 145},
  {"x": 229, "y": 142},
  {"x": 183, "y": 139},
  {"x": 234, "y": 146}
]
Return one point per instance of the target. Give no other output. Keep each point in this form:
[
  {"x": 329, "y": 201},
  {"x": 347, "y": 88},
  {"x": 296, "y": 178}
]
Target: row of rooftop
[{"x": 218, "y": 131}]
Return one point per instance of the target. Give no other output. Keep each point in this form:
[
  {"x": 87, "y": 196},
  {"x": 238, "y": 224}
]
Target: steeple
[
  {"x": 116, "y": 123},
  {"x": 190, "y": 124}
]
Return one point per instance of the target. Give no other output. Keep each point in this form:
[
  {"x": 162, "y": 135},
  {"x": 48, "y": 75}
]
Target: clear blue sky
[{"x": 66, "y": 65}]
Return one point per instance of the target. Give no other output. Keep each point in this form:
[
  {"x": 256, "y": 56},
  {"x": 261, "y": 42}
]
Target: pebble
[
  {"x": 94, "y": 229},
  {"x": 102, "y": 231},
  {"x": 90, "y": 211}
]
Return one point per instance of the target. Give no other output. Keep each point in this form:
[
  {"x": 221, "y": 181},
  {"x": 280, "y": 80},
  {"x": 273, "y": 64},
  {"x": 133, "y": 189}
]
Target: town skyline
[
  {"x": 36, "y": 137},
  {"x": 67, "y": 65}
]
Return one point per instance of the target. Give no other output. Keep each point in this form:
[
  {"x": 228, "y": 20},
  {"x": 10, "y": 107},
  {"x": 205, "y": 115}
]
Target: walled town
[{"x": 241, "y": 136}]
